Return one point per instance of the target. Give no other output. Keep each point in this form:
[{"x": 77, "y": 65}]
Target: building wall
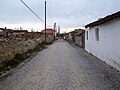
[
  {"x": 18, "y": 33},
  {"x": 67, "y": 37},
  {"x": 108, "y": 46},
  {"x": 78, "y": 41},
  {"x": 50, "y": 38},
  {"x": 70, "y": 37}
]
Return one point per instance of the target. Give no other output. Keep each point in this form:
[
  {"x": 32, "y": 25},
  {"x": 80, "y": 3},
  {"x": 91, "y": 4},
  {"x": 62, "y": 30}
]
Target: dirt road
[{"x": 63, "y": 67}]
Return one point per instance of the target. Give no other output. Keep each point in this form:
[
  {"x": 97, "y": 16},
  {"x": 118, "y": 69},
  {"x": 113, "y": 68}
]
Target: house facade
[
  {"x": 77, "y": 37},
  {"x": 50, "y": 34},
  {"x": 72, "y": 35},
  {"x": 14, "y": 33},
  {"x": 80, "y": 38},
  {"x": 4, "y": 32},
  {"x": 102, "y": 39},
  {"x": 17, "y": 33},
  {"x": 66, "y": 36}
]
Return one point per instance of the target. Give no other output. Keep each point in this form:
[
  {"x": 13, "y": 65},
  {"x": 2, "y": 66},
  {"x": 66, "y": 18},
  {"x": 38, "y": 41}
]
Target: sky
[{"x": 68, "y": 14}]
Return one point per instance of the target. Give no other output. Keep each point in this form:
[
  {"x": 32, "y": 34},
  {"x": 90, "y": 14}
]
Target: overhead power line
[{"x": 32, "y": 11}]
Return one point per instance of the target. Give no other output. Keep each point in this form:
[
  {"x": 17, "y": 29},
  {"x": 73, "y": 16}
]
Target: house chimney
[{"x": 5, "y": 28}]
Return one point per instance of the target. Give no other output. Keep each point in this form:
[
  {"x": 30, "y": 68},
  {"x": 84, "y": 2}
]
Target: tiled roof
[
  {"x": 49, "y": 31},
  {"x": 79, "y": 33},
  {"x": 31, "y": 33},
  {"x": 76, "y": 31},
  {"x": 19, "y": 30},
  {"x": 104, "y": 20},
  {"x": 11, "y": 30},
  {"x": 2, "y": 33}
]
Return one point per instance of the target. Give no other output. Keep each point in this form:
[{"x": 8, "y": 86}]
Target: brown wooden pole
[{"x": 45, "y": 21}]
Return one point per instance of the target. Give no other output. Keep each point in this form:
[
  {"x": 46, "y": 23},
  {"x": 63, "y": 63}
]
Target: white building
[{"x": 102, "y": 39}]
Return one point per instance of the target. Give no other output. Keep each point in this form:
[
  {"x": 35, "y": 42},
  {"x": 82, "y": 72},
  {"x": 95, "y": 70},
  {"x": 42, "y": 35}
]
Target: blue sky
[{"x": 66, "y": 13}]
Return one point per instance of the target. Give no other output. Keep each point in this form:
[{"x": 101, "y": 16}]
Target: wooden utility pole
[
  {"x": 45, "y": 21},
  {"x": 54, "y": 28}
]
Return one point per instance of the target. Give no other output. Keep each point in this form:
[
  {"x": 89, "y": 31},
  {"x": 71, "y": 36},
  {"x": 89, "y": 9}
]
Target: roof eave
[{"x": 104, "y": 20}]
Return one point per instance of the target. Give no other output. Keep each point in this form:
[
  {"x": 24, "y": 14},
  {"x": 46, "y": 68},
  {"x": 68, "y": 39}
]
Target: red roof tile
[{"x": 49, "y": 31}]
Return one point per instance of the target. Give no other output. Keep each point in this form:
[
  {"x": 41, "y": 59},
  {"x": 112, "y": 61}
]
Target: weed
[{"x": 19, "y": 58}]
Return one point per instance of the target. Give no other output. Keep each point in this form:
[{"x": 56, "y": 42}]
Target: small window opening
[{"x": 97, "y": 34}]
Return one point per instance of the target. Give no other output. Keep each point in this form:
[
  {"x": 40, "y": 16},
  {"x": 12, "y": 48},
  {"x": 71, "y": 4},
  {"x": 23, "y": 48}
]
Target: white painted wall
[{"x": 108, "y": 46}]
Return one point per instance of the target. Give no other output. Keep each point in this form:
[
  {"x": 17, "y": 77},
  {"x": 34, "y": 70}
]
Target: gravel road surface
[{"x": 63, "y": 66}]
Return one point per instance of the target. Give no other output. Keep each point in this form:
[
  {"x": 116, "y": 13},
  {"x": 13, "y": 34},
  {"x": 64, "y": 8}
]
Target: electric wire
[{"x": 32, "y": 11}]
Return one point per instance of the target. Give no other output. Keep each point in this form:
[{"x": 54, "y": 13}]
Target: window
[
  {"x": 97, "y": 34},
  {"x": 87, "y": 35}
]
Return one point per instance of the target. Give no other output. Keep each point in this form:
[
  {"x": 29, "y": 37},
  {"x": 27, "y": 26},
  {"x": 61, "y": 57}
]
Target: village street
[{"x": 63, "y": 66}]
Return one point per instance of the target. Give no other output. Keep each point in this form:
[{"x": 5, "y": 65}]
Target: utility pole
[
  {"x": 45, "y": 21},
  {"x": 54, "y": 28},
  {"x": 58, "y": 31}
]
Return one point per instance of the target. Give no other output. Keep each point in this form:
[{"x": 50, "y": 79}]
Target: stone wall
[
  {"x": 50, "y": 38},
  {"x": 8, "y": 49},
  {"x": 80, "y": 40}
]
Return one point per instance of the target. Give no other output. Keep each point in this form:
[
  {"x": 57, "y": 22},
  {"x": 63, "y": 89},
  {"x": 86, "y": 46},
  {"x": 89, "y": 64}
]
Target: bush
[
  {"x": 18, "y": 59},
  {"x": 19, "y": 56}
]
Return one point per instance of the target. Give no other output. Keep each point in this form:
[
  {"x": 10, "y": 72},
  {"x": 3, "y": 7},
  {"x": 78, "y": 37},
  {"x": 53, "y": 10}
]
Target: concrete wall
[
  {"x": 50, "y": 38},
  {"x": 108, "y": 46}
]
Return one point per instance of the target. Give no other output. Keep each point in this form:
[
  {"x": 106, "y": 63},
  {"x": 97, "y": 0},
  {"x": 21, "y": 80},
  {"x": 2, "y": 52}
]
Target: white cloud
[
  {"x": 66, "y": 13},
  {"x": 25, "y": 26}
]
